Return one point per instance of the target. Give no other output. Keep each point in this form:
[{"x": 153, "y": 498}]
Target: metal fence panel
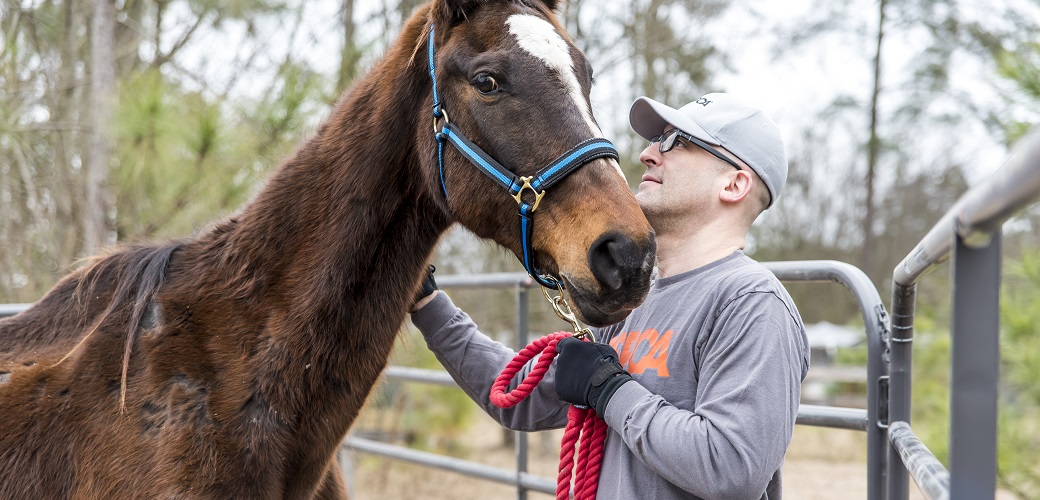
[{"x": 971, "y": 222}]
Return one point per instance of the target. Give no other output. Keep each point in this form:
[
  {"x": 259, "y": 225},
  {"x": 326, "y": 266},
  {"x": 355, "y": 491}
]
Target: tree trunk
[
  {"x": 102, "y": 93},
  {"x": 867, "y": 257},
  {"x": 350, "y": 56},
  {"x": 651, "y": 50},
  {"x": 69, "y": 109}
]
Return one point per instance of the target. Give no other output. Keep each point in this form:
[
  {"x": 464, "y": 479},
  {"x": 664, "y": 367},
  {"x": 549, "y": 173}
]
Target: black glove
[
  {"x": 588, "y": 373},
  {"x": 428, "y": 285}
]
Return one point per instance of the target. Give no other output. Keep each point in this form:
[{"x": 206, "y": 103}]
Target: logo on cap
[{"x": 703, "y": 101}]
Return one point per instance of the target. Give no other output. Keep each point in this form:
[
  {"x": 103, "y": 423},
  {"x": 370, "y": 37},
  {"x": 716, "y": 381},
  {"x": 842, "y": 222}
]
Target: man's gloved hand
[
  {"x": 426, "y": 288},
  {"x": 588, "y": 373}
]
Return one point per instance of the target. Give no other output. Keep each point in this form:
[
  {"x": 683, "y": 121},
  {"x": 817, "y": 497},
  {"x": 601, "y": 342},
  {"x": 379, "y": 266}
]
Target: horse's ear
[
  {"x": 456, "y": 10},
  {"x": 555, "y": 6}
]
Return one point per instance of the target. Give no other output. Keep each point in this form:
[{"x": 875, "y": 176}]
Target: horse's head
[{"x": 511, "y": 81}]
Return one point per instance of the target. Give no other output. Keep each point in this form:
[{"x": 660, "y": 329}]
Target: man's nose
[{"x": 650, "y": 156}]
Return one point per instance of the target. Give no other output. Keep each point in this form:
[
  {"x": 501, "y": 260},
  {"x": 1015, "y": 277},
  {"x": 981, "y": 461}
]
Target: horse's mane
[{"x": 136, "y": 272}]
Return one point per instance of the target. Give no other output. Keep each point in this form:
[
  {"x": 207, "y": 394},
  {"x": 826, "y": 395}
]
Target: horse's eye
[{"x": 485, "y": 84}]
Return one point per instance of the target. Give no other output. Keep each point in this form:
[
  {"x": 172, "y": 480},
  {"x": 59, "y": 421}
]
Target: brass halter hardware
[
  {"x": 562, "y": 308},
  {"x": 527, "y": 185},
  {"x": 438, "y": 120}
]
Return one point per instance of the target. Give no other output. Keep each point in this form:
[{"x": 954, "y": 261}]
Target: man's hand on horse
[
  {"x": 427, "y": 290},
  {"x": 588, "y": 373}
]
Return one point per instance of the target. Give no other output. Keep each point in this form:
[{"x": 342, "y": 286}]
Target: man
[{"x": 702, "y": 392}]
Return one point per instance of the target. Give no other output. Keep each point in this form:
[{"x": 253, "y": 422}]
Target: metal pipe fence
[
  {"x": 970, "y": 232},
  {"x": 12, "y": 309},
  {"x": 875, "y": 321},
  {"x": 853, "y": 279}
]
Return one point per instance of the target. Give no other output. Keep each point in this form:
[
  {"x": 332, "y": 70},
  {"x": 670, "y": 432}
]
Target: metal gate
[{"x": 874, "y": 318}]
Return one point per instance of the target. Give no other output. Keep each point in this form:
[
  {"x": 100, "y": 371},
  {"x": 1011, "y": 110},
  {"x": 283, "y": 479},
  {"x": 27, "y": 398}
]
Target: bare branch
[{"x": 161, "y": 58}]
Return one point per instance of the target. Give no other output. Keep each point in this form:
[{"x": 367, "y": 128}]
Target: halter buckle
[{"x": 527, "y": 185}]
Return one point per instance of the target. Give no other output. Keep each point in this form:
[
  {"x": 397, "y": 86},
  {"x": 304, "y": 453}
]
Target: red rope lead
[{"x": 585, "y": 432}]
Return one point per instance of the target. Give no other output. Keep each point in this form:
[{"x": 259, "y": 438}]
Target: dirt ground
[{"x": 820, "y": 464}]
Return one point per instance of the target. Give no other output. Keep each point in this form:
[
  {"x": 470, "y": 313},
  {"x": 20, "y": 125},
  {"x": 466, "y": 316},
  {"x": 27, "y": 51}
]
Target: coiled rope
[{"x": 585, "y": 432}]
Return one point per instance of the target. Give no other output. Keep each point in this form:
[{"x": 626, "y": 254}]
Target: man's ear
[{"x": 738, "y": 186}]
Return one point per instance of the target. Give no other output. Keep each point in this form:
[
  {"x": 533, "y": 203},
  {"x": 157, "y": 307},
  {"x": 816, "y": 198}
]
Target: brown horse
[{"x": 231, "y": 365}]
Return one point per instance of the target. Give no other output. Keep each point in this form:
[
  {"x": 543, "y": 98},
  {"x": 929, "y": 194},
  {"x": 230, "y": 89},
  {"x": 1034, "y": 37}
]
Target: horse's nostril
[{"x": 615, "y": 259}]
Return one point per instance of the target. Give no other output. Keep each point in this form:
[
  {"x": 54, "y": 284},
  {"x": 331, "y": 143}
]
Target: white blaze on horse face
[{"x": 539, "y": 38}]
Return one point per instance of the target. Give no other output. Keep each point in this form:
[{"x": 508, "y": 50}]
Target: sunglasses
[{"x": 666, "y": 141}]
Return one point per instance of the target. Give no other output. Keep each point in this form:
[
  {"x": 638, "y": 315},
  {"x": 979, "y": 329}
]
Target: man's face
[{"x": 679, "y": 186}]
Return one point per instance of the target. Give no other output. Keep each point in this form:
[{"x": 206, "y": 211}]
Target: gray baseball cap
[{"x": 722, "y": 120}]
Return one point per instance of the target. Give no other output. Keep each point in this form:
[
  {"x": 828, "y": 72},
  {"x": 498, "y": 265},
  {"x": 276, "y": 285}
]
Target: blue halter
[{"x": 568, "y": 162}]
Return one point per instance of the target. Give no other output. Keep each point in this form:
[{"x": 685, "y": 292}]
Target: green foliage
[
  {"x": 1021, "y": 326},
  {"x": 171, "y": 150},
  {"x": 1020, "y": 371},
  {"x": 295, "y": 97},
  {"x": 931, "y": 382},
  {"x": 185, "y": 158},
  {"x": 1022, "y": 67},
  {"x": 39, "y": 134},
  {"x": 1019, "y": 426}
]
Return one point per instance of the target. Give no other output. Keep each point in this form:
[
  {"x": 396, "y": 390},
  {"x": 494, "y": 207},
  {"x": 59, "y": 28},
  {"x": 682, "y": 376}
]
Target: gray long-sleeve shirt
[{"x": 718, "y": 355}]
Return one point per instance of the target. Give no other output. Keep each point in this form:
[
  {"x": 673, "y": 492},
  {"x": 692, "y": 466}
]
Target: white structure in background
[{"x": 825, "y": 339}]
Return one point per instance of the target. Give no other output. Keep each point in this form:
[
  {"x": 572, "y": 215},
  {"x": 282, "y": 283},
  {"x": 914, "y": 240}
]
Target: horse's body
[{"x": 251, "y": 348}]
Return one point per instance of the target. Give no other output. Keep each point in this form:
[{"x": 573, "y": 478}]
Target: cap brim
[{"x": 649, "y": 117}]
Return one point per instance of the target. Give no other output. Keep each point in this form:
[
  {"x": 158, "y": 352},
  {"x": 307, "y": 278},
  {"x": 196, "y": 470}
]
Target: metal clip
[
  {"x": 562, "y": 308},
  {"x": 537, "y": 195},
  {"x": 436, "y": 119}
]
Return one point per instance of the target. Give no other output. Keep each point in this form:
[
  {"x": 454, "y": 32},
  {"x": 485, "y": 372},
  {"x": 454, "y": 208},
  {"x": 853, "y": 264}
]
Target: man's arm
[
  {"x": 750, "y": 371},
  {"x": 474, "y": 360}
]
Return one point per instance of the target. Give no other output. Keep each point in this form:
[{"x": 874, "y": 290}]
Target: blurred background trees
[
  {"x": 129, "y": 120},
  {"x": 133, "y": 119},
  {"x": 107, "y": 135}
]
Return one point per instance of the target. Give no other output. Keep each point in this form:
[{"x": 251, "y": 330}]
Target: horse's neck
[
  {"x": 352, "y": 197},
  {"x": 341, "y": 232}
]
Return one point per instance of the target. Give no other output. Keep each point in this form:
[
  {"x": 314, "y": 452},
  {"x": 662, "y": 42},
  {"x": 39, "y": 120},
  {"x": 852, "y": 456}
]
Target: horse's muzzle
[
  {"x": 618, "y": 262},
  {"x": 622, "y": 268}
]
